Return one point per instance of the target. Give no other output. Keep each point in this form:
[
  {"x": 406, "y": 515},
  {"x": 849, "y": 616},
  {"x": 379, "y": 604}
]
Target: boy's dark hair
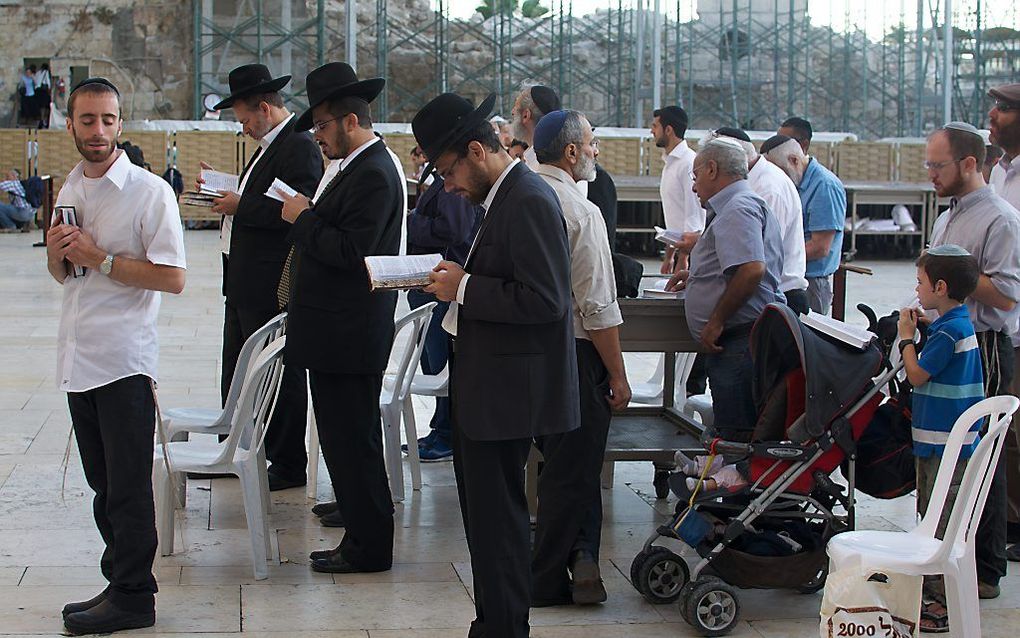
[
  {"x": 960, "y": 272},
  {"x": 674, "y": 117},
  {"x": 252, "y": 101},
  {"x": 800, "y": 126},
  {"x": 483, "y": 134}
]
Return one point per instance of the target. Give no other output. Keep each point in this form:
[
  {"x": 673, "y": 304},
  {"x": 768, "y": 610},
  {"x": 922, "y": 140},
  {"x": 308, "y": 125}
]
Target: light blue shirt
[{"x": 823, "y": 201}]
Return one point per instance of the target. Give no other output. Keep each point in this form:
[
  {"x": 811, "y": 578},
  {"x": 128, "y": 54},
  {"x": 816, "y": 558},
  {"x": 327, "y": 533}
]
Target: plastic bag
[{"x": 869, "y": 602}]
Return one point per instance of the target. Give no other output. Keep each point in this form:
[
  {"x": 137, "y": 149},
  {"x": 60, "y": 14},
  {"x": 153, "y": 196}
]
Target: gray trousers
[{"x": 819, "y": 292}]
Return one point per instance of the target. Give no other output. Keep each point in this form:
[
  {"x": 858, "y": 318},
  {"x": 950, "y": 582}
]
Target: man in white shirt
[
  {"x": 1004, "y": 132},
  {"x": 680, "y": 206},
  {"x": 569, "y": 524},
  {"x": 779, "y": 192},
  {"x": 129, "y": 239},
  {"x": 254, "y": 245}
]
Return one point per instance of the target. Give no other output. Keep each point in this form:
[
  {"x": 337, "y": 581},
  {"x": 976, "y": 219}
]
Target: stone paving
[{"x": 49, "y": 548}]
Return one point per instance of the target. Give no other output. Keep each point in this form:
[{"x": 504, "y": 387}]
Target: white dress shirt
[
  {"x": 108, "y": 329},
  {"x": 450, "y": 318},
  {"x": 592, "y": 280},
  {"x": 680, "y": 206},
  {"x": 778, "y": 191},
  {"x": 228, "y": 220}
]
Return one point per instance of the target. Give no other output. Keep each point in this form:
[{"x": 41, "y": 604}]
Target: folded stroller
[{"x": 815, "y": 396}]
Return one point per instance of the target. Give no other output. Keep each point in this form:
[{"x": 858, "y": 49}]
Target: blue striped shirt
[{"x": 952, "y": 359}]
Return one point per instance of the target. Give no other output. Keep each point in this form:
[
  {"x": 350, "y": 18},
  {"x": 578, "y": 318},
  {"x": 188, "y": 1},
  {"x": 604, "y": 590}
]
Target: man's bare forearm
[
  {"x": 607, "y": 344},
  {"x": 147, "y": 275},
  {"x": 989, "y": 295}
]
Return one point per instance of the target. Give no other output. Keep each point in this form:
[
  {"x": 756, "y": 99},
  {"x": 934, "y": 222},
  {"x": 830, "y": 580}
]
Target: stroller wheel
[
  {"x": 661, "y": 484},
  {"x": 659, "y": 575},
  {"x": 817, "y": 583},
  {"x": 711, "y": 606}
]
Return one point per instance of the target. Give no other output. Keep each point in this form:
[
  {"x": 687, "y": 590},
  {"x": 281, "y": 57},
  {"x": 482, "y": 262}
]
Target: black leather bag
[{"x": 628, "y": 275}]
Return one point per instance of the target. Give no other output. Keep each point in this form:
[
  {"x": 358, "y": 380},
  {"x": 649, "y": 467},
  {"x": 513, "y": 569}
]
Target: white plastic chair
[
  {"x": 238, "y": 454},
  {"x": 395, "y": 392},
  {"x": 651, "y": 391},
  {"x": 918, "y": 552},
  {"x": 700, "y": 405}
]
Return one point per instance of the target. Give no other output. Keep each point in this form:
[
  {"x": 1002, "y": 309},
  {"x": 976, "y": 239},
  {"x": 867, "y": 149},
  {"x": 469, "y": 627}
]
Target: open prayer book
[
  {"x": 278, "y": 189},
  {"x": 400, "y": 272},
  {"x": 217, "y": 182},
  {"x": 848, "y": 334},
  {"x": 657, "y": 290},
  {"x": 668, "y": 237}
]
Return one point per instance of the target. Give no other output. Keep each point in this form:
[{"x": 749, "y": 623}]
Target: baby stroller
[{"x": 815, "y": 396}]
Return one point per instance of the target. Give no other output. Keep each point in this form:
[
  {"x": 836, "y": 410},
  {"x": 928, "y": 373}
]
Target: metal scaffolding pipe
[
  {"x": 947, "y": 65},
  {"x": 351, "y": 37}
]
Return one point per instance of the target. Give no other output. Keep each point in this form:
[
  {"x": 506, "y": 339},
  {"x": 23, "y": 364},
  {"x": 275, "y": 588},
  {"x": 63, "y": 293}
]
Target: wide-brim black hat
[
  {"x": 444, "y": 120},
  {"x": 332, "y": 81},
  {"x": 251, "y": 79}
]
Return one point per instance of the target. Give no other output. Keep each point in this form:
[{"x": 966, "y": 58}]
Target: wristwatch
[
  {"x": 107, "y": 265},
  {"x": 904, "y": 343}
]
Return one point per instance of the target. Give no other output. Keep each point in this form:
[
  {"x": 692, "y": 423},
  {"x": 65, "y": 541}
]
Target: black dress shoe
[
  {"x": 73, "y": 608},
  {"x": 105, "y": 618},
  {"x": 277, "y": 482},
  {"x": 333, "y": 519},
  {"x": 337, "y": 564},
  {"x": 588, "y": 588},
  {"x": 321, "y": 554},
  {"x": 321, "y": 509},
  {"x": 556, "y": 601}
]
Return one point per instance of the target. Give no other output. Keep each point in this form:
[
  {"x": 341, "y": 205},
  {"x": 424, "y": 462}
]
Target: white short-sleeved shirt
[
  {"x": 681, "y": 208},
  {"x": 779, "y": 192},
  {"x": 108, "y": 329}
]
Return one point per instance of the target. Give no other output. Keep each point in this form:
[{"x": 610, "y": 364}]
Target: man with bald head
[
  {"x": 988, "y": 228},
  {"x": 735, "y": 270},
  {"x": 823, "y": 202}
]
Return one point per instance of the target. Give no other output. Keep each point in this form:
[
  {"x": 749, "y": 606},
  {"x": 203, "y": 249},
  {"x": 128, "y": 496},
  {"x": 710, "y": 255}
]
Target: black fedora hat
[
  {"x": 251, "y": 79},
  {"x": 444, "y": 120},
  {"x": 335, "y": 80}
]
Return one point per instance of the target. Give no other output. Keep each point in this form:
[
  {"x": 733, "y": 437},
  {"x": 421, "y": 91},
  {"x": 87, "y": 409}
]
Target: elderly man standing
[
  {"x": 823, "y": 201},
  {"x": 569, "y": 525},
  {"x": 773, "y": 185},
  {"x": 988, "y": 228},
  {"x": 534, "y": 101},
  {"x": 1004, "y": 129},
  {"x": 681, "y": 209},
  {"x": 736, "y": 267}
]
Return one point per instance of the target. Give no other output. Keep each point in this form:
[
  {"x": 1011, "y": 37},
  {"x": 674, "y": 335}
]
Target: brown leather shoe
[
  {"x": 986, "y": 591},
  {"x": 588, "y": 588}
]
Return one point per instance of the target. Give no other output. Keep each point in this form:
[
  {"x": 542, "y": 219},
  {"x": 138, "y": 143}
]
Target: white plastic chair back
[
  {"x": 976, "y": 479},
  {"x": 255, "y": 402},
  {"x": 651, "y": 391},
  {"x": 275, "y": 327},
  {"x": 407, "y": 361}
]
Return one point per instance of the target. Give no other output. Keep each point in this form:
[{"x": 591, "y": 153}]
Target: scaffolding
[{"x": 840, "y": 63}]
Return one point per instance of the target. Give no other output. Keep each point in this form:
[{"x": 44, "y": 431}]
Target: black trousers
[
  {"x": 350, "y": 435},
  {"x": 285, "y": 436},
  {"x": 114, "y": 427},
  {"x": 990, "y": 551},
  {"x": 569, "y": 486}
]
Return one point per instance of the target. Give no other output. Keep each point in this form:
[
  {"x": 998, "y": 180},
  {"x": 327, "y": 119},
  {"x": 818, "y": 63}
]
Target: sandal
[{"x": 937, "y": 621}]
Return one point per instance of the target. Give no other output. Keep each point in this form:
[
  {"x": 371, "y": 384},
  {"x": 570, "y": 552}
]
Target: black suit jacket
[
  {"x": 515, "y": 372},
  {"x": 258, "y": 239},
  {"x": 336, "y": 324}
]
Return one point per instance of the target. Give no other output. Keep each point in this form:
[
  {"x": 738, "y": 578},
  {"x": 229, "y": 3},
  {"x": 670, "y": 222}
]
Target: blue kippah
[
  {"x": 548, "y": 128},
  {"x": 948, "y": 250}
]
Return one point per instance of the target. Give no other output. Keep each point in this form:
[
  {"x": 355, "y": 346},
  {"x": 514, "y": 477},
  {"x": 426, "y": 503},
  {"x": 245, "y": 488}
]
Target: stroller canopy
[{"x": 836, "y": 374}]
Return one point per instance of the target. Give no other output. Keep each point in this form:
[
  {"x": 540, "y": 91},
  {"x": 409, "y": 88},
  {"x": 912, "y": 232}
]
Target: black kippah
[
  {"x": 545, "y": 99},
  {"x": 96, "y": 80},
  {"x": 735, "y": 133},
  {"x": 773, "y": 142}
]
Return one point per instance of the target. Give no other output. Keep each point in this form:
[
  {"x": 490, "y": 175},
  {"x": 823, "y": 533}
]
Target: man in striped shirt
[
  {"x": 947, "y": 379},
  {"x": 18, "y": 211}
]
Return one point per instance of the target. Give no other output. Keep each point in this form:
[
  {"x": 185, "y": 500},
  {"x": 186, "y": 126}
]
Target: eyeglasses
[
  {"x": 1005, "y": 107},
  {"x": 694, "y": 172},
  {"x": 938, "y": 166},
  {"x": 321, "y": 126},
  {"x": 445, "y": 174}
]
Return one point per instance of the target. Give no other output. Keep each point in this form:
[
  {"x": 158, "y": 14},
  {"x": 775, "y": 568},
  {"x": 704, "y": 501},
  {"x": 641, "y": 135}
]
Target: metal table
[
  {"x": 646, "y": 433},
  {"x": 889, "y": 193}
]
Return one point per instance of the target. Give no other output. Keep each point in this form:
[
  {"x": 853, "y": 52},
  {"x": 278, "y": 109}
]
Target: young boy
[{"x": 947, "y": 380}]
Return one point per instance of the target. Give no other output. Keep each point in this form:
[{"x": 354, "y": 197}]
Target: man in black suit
[
  {"x": 256, "y": 246},
  {"x": 513, "y": 365},
  {"x": 338, "y": 328}
]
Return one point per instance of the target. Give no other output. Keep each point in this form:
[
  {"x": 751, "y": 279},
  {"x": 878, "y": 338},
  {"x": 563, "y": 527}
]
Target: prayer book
[
  {"x": 840, "y": 330},
  {"x": 669, "y": 237},
  {"x": 198, "y": 198},
  {"x": 217, "y": 182},
  {"x": 278, "y": 189},
  {"x": 68, "y": 215},
  {"x": 400, "y": 272},
  {"x": 657, "y": 290}
]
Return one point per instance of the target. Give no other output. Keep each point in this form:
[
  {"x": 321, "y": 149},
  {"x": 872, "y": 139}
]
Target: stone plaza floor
[{"x": 49, "y": 547}]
